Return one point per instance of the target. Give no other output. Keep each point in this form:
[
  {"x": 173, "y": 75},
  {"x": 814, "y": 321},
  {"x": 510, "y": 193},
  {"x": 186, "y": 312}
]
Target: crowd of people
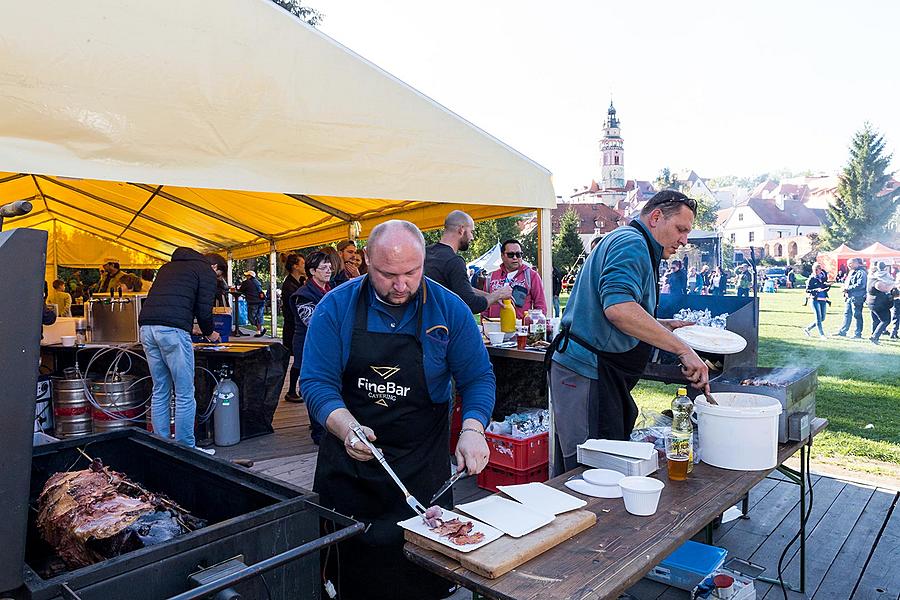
[{"x": 878, "y": 290}]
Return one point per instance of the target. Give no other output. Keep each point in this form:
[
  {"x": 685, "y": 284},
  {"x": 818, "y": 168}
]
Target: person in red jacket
[{"x": 525, "y": 281}]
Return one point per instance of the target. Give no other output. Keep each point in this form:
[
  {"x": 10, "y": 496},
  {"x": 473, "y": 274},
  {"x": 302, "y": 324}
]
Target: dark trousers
[
  {"x": 881, "y": 316},
  {"x": 853, "y": 310},
  {"x": 743, "y": 292},
  {"x": 896, "y": 317}
]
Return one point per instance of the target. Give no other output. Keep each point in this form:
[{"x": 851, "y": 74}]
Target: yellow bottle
[{"x": 507, "y": 317}]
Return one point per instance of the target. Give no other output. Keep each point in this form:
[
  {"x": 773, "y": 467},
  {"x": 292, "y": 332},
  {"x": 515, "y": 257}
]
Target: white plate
[
  {"x": 603, "y": 477},
  {"x": 711, "y": 339},
  {"x": 542, "y": 498},
  {"x": 508, "y": 516},
  {"x": 417, "y": 525},
  {"x": 589, "y": 489}
]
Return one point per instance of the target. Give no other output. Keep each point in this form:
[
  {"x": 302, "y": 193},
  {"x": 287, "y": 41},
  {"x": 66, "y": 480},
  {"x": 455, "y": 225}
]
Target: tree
[
  {"x": 306, "y": 13},
  {"x": 707, "y": 215},
  {"x": 864, "y": 207},
  {"x": 666, "y": 180},
  {"x": 567, "y": 246}
]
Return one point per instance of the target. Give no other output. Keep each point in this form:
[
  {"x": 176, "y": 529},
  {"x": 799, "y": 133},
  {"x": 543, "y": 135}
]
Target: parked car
[{"x": 779, "y": 274}]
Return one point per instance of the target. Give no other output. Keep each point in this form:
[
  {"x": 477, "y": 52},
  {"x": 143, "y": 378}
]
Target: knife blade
[{"x": 449, "y": 484}]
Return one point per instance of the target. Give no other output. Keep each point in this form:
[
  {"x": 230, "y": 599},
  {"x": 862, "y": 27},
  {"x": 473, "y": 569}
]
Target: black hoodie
[{"x": 183, "y": 289}]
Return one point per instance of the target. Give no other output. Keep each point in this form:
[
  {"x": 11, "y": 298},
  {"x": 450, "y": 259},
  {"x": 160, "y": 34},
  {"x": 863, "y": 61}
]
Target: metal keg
[
  {"x": 121, "y": 401},
  {"x": 71, "y": 409}
]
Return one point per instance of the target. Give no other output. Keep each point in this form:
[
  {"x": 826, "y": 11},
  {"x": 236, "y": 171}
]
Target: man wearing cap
[
  {"x": 256, "y": 301},
  {"x": 855, "y": 296},
  {"x": 379, "y": 357},
  {"x": 609, "y": 328},
  {"x": 112, "y": 275}
]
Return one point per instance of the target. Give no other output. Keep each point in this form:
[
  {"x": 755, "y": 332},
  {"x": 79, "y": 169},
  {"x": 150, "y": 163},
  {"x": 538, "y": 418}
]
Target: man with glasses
[
  {"x": 609, "y": 328},
  {"x": 445, "y": 266},
  {"x": 515, "y": 273}
]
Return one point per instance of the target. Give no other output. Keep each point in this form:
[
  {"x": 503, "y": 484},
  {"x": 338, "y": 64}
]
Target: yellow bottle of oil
[
  {"x": 507, "y": 317},
  {"x": 682, "y": 426}
]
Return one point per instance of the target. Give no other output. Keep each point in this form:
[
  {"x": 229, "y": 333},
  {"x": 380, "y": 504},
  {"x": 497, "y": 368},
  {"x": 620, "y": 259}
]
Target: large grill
[
  {"x": 794, "y": 387},
  {"x": 250, "y": 517}
]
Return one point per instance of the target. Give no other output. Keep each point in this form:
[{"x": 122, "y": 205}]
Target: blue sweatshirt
[
  {"x": 617, "y": 271},
  {"x": 451, "y": 341}
]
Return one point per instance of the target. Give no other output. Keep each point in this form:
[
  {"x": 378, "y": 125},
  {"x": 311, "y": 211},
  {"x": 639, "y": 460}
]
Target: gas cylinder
[{"x": 227, "y": 416}]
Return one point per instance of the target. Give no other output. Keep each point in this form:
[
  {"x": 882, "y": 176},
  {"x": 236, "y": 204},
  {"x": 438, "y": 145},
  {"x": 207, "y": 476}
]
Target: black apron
[
  {"x": 384, "y": 387},
  {"x": 617, "y": 372}
]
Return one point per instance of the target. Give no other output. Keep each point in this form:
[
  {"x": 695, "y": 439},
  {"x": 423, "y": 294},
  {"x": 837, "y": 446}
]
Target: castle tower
[{"x": 612, "y": 161}]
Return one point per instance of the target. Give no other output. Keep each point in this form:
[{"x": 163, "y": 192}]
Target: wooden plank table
[{"x": 621, "y": 548}]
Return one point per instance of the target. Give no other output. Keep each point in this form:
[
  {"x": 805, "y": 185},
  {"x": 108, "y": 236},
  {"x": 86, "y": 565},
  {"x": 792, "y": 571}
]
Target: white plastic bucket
[{"x": 740, "y": 432}]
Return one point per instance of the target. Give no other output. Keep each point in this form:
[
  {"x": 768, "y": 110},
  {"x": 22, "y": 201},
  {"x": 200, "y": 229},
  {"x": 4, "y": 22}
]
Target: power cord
[{"x": 800, "y": 531}]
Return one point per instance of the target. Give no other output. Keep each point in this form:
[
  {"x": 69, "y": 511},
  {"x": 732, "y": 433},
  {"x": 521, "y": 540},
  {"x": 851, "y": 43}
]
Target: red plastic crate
[
  {"x": 493, "y": 475},
  {"x": 518, "y": 453}
]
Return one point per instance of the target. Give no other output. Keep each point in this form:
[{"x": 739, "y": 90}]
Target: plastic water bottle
[{"x": 680, "y": 442}]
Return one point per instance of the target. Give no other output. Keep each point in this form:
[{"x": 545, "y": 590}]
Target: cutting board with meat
[{"x": 501, "y": 556}]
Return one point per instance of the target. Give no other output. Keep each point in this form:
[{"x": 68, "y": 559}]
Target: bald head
[
  {"x": 396, "y": 255},
  {"x": 459, "y": 231}
]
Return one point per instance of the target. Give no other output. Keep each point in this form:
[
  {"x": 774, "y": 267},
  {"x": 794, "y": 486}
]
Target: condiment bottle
[{"x": 507, "y": 317}]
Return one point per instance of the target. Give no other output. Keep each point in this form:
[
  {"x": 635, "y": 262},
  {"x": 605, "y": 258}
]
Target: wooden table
[{"x": 621, "y": 548}]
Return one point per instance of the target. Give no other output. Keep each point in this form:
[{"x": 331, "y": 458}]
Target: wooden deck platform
[{"x": 853, "y": 531}]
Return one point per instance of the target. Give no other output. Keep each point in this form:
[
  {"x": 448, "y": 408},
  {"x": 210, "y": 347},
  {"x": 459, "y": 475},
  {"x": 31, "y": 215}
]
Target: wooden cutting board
[{"x": 507, "y": 553}]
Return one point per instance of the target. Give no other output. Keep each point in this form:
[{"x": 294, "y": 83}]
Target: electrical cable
[
  {"x": 800, "y": 531},
  {"x": 266, "y": 584}
]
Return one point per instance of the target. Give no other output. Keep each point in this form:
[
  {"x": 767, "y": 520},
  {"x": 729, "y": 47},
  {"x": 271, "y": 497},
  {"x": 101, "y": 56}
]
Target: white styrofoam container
[
  {"x": 740, "y": 432},
  {"x": 62, "y": 326}
]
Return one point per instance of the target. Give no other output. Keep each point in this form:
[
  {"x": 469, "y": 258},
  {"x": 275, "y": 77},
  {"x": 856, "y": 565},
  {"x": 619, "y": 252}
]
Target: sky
[{"x": 724, "y": 88}]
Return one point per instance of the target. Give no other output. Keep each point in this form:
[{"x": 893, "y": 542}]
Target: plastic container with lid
[
  {"x": 740, "y": 432},
  {"x": 689, "y": 564}
]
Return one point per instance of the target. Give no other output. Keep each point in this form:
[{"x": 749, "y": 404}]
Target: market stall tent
[{"x": 231, "y": 126}]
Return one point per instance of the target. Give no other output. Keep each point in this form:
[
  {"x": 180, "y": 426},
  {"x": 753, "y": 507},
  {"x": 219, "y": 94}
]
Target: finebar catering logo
[{"x": 384, "y": 393}]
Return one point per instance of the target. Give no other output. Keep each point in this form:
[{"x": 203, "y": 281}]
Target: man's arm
[
  {"x": 322, "y": 366},
  {"x": 459, "y": 285},
  {"x": 631, "y": 319},
  {"x": 203, "y": 304}
]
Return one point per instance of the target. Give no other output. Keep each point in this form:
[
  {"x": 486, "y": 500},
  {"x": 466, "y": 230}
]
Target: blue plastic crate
[
  {"x": 688, "y": 565},
  {"x": 222, "y": 324}
]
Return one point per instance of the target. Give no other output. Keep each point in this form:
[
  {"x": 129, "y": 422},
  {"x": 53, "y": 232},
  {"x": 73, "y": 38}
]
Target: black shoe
[
  {"x": 894, "y": 336},
  {"x": 874, "y": 341},
  {"x": 261, "y": 333},
  {"x": 857, "y": 337},
  {"x": 293, "y": 397}
]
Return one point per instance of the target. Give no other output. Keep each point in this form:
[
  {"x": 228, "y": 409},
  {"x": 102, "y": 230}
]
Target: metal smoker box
[{"x": 248, "y": 515}]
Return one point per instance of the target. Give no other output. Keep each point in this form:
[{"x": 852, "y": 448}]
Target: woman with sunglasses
[
  {"x": 303, "y": 303},
  {"x": 526, "y": 284}
]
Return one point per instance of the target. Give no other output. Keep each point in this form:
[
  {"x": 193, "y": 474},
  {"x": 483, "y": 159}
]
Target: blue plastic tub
[{"x": 688, "y": 565}]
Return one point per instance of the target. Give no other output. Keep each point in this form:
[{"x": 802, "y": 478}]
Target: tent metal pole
[
  {"x": 273, "y": 287},
  {"x": 545, "y": 256},
  {"x": 230, "y": 276},
  {"x": 325, "y": 208}
]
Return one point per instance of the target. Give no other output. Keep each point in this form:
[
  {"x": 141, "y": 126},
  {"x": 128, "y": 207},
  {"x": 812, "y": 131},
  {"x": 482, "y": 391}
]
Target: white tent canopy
[{"x": 228, "y": 125}]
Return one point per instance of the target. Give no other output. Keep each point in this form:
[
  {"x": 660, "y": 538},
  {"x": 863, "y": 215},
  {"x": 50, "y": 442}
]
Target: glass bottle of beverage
[
  {"x": 680, "y": 441},
  {"x": 537, "y": 331}
]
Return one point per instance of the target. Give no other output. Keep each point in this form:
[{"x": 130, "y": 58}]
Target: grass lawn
[{"x": 859, "y": 383}]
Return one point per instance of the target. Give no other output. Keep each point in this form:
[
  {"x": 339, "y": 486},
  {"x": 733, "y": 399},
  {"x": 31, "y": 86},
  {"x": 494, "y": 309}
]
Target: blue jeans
[
  {"x": 255, "y": 313},
  {"x": 170, "y": 357},
  {"x": 819, "y": 307},
  {"x": 853, "y": 310},
  {"x": 555, "y": 306}
]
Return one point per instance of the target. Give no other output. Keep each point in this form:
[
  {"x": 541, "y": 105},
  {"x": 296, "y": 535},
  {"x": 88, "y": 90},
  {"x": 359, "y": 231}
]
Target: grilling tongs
[{"x": 410, "y": 499}]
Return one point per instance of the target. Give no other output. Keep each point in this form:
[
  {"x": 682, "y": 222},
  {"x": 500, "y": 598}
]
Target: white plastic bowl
[
  {"x": 496, "y": 337},
  {"x": 641, "y": 494},
  {"x": 67, "y": 340},
  {"x": 490, "y": 326},
  {"x": 605, "y": 481}
]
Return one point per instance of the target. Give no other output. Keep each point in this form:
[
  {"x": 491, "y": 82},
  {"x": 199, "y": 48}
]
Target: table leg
[
  {"x": 745, "y": 506},
  {"x": 798, "y": 478}
]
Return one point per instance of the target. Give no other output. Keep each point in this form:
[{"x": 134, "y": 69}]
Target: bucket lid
[{"x": 731, "y": 404}]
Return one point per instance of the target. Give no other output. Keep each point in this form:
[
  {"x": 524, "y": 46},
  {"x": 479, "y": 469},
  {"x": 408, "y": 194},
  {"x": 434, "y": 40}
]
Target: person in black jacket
[
  {"x": 303, "y": 304},
  {"x": 445, "y": 266},
  {"x": 677, "y": 279},
  {"x": 256, "y": 301},
  {"x": 295, "y": 266},
  {"x": 183, "y": 291}
]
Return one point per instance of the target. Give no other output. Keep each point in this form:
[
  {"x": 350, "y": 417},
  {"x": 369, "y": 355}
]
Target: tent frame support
[
  {"x": 40, "y": 191},
  {"x": 545, "y": 256},
  {"x": 13, "y": 177},
  {"x": 139, "y": 211},
  {"x": 106, "y": 235},
  {"x": 125, "y": 209},
  {"x": 202, "y": 211},
  {"x": 273, "y": 287},
  {"x": 119, "y": 224},
  {"x": 330, "y": 210}
]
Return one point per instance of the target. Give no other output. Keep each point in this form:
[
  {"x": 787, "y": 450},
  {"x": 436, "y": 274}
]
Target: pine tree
[
  {"x": 863, "y": 209},
  {"x": 567, "y": 246}
]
